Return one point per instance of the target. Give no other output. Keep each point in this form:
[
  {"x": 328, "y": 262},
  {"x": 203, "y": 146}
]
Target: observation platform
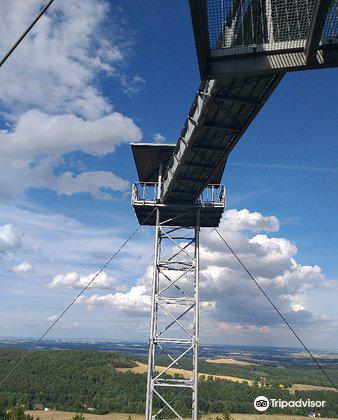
[{"x": 151, "y": 160}]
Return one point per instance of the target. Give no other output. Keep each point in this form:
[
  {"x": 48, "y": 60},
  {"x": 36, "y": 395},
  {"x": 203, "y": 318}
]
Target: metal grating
[
  {"x": 246, "y": 26},
  {"x": 330, "y": 30}
]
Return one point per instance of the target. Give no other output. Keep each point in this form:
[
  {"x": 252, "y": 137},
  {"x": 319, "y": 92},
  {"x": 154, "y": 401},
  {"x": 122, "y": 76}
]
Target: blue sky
[{"x": 100, "y": 74}]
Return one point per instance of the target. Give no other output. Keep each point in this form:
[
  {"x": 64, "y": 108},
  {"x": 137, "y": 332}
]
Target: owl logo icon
[{"x": 261, "y": 403}]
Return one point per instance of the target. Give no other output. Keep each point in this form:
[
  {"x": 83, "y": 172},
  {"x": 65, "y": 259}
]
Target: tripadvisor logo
[{"x": 262, "y": 403}]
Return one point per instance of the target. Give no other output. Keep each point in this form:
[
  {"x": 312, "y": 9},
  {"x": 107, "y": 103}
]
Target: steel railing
[
  {"x": 245, "y": 26},
  {"x": 147, "y": 193}
]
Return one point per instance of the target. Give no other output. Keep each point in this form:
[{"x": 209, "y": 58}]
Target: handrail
[{"x": 146, "y": 193}]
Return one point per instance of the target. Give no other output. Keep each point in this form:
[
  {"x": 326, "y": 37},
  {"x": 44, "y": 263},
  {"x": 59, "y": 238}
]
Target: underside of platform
[
  {"x": 255, "y": 36},
  {"x": 171, "y": 215}
]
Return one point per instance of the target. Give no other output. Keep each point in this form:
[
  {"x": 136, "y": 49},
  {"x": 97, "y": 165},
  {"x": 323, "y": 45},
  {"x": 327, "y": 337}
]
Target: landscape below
[{"x": 101, "y": 382}]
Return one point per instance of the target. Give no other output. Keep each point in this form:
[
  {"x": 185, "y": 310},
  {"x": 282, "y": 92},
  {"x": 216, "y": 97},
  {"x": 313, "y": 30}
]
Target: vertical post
[
  {"x": 196, "y": 319},
  {"x": 153, "y": 319},
  {"x": 159, "y": 186}
]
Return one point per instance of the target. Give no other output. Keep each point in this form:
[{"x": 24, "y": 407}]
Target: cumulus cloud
[
  {"x": 38, "y": 134},
  {"x": 93, "y": 183},
  {"x": 61, "y": 57},
  {"x": 253, "y": 221},
  {"x": 229, "y": 299},
  {"x": 31, "y": 151},
  {"x": 10, "y": 239},
  {"x": 74, "y": 280},
  {"x": 24, "y": 267},
  {"x": 273, "y": 262},
  {"x": 134, "y": 302},
  {"x": 53, "y": 107}
]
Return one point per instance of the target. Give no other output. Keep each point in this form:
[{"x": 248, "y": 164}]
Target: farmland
[{"x": 64, "y": 415}]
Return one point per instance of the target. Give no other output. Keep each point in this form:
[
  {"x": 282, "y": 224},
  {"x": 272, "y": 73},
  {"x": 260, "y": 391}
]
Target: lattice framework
[{"x": 174, "y": 322}]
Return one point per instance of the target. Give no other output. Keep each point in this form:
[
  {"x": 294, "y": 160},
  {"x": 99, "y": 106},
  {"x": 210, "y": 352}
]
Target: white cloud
[
  {"x": 239, "y": 328},
  {"x": 229, "y": 299},
  {"x": 272, "y": 261},
  {"x": 24, "y": 267},
  {"x": 132, "y": 85},
  {"x": 52, "y": 318},
  {"x": 134, "y": 302},
  {"x": 253, "y": 221},
  {"x": 53, "y": 107},
  {"x": 35, "y": 146},
  {"x": 90, "y": 182},
  {"x": 10, "y": 239},
  {"x": 159, "y": 138},
  {"x": 56, "y": 244},
  {"x": 61, "y": 57},
  {"x": 37, "y": 134},
  {"x": 74, "y": 280},
  {"x": 231, "y": 305}
]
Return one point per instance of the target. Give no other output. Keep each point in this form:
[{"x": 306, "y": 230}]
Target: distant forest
[{"x": 72, "y": 380}]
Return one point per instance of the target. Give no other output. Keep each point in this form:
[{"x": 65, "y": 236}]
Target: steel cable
[
  {"x": 276, "y": 309},
  {"x": 25, "y": 33},
  {"x": 29, "y": 351}
]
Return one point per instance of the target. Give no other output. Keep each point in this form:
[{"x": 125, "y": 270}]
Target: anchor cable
[
  {"x": 25, "y": 33},
  {"x": 276, "y": 309},
  {"x": 35, "y": 344}
]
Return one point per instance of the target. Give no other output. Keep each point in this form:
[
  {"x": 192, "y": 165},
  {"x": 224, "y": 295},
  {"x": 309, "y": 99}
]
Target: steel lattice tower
[
  {"x": 174, "y": 326},
  {"x": 174, "y": 315}
]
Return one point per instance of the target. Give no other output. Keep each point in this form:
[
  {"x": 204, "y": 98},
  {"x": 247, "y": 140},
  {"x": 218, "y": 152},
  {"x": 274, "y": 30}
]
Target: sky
[{"x": 95, "y": 75}]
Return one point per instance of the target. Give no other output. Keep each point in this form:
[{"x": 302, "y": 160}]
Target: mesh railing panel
[
  {"x": 330, "y": 31},
  {"x": 244, "y": 26}
]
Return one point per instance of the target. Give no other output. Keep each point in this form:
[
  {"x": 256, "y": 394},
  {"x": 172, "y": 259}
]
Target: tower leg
[{"x": 174, "y": 326}]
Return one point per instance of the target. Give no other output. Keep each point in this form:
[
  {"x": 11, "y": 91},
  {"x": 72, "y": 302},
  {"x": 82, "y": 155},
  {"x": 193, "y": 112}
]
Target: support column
[
  {"x": 152, "y": 335},
  {"x": 196, "y": 318},
  {"x": 174, "y": 325}
]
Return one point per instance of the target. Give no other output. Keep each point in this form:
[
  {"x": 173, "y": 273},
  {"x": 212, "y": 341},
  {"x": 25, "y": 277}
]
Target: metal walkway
[{"x": 220, "y": 114}]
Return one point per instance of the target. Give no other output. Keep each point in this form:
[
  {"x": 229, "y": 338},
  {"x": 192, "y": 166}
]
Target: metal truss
[{"x": 173, "y": 342}]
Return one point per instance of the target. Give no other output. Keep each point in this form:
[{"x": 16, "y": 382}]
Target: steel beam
[
  {"x": 223, "y": 127},
  {"x": 198, "y": 10},
  {"x": 243, "y": 100},
  {"x": 250, "y": 64},
  {"x": 318, "y": 21},
  {"x": 190, "y": 178},
  {"x": 208, "y": 147}
]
